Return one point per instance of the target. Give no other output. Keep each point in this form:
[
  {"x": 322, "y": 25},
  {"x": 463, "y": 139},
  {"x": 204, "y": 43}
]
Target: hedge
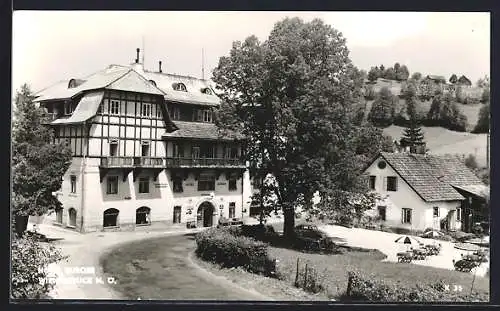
[
  {"x": 366, "y": 288},
  {"x": 222, "y": 246}
]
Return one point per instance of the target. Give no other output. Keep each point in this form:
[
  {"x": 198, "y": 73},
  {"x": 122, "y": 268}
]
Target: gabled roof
[
  {"x": 464, "y": 80},
  {"x": 432, "y": 177},
  {"x": 435, "y": 77},
  {"x": 135, "y": 79},
  {"x": 86, "y": 109},
  {"x": 199, "y": 130}
]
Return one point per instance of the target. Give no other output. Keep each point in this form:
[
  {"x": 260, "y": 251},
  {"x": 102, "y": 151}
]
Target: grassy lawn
[{"x": 334, "y": 268}]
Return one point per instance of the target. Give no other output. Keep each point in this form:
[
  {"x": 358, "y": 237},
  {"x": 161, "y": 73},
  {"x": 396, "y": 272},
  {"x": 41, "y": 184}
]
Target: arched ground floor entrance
[{"x": 205, "y": 215}]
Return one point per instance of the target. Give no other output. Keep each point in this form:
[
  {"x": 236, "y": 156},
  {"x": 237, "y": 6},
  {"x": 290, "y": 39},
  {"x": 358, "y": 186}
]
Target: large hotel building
[{"x": 146, "y": 151}]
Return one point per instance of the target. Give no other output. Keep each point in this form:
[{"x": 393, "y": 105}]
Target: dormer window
[
  {"x": 207, "y": 91},
  {"x": 152, "y": 82},
  {"x": 203, "y": 115},
  {"x": 72, "y": 84},
  {"x": 179, "y": 87}
]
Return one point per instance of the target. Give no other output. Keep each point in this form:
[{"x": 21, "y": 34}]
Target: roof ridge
[{"x": 146, "y": 80}]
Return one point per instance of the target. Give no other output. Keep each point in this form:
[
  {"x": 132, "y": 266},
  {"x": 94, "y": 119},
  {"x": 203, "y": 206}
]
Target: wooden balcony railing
[
  {"x": 149, "y": 162},
  {"x": 203, "y": 162},
  {"x": 48, "y": 118},
  {"x": 117, "y": 162}
]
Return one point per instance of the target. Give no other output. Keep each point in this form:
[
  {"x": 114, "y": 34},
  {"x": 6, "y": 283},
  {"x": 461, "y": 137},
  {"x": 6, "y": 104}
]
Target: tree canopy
[
  {"x": 38, "y": 164},
  {"x": 445, "y": 112},
  {"x": 296, "y": 98},
  {"x": 383, "y": 108},
  {"x": 412, "y": 134}
]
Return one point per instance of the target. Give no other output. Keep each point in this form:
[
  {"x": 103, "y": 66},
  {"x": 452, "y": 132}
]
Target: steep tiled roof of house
[
  {"x": 136, "y": 79},
  {"x": 194, "y": 93},
  {"x": 199, "y": 130},
  {"x": 432, "y": 176}
]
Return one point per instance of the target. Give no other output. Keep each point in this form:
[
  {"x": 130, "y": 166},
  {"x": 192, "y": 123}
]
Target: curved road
[{"x": 152, "y": 265}]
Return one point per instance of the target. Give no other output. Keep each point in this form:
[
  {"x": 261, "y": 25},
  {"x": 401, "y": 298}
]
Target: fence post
[
  {"x": 297, "y": 274},
  {"x": 305, "y": 278}
]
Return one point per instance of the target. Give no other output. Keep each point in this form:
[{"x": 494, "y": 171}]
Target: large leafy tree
[
  {"x": 38, "y": 164},
  {"x": 483, "y": 122},
  {"x": 446, "y": 113},
  {"x": 295, "y": 97},
  {"x": 383, "y": 109}
]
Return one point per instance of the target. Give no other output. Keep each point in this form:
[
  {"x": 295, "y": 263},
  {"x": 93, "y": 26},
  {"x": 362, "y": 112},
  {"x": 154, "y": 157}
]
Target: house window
[
  {"x": 146, "y": 110},
  {"x": 206, "y": 182},
  {"x": 143, "y": 216},
  {"x": 435, "y": 212},
  {"x": 114, "y": 107},
  {"x": 73, "y": 183},
  {"x": 381, "y": 165},
  {"x": 112, "y": 185},
  {"x": 232, "y": 183},
  {"x": 392, "y": 183},
  {"x": 232, "y": 210},
  {"x": 231, "y": 153},
  {"x": 175, "y": 113},
  {"x": 143, "y": 185},
  {"x": 177, "y": 184},
  {"x": 177, "y": 214},
  {"x": 406, "y": 216},
  {"x": 372, "y": 182},
  {"x": 459, "y": 214},
  {"x": 203, "y": 115},
  {"x": 382, "y": 213},
  {"x": 207, "y": 91},
  {"x": 110, "y": 217},
  {"x": 68, "y": 108},
  {"x": 158, "y": 111},
  {"x": 113, "y": 148},
  {"x": 196, "y": 152}
]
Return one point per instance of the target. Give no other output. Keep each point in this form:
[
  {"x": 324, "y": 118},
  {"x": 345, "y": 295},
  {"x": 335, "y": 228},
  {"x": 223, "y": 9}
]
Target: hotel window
[
  {"x": 143, "y": 216},
  {"x": 175, "y": 113},
  {"x": 392, "y": 183},
  {"x": 146, "y": 110},
  {"x": 73, "y": 183},
  {"x": 114, "y": 107},
  {"x": 231, "y": 153},
  {"x": 406, "y": 216},
  {"x": 112, "y": 186},
  {"x": 179, "y": 87},
  {"x": 177, "y": 184},
  {"x": 145, "y": 149},
  {"x": 113, "y": 148},
  {"x": 232, "y": 210},
  {"x": 203, "y": 115},
  {"x": 68, "y": 108},
  {"x": 435, "y": 212},
  {"x": 158, "y": 111},
  {"x": 110, "y": 217},
  {"x": 232, "y": 182},
  {"x": 143, "y": 185},
  {"x": 459, "y": 214},
  {"x": 372, "y": 182},
  {"x": 206, "y": 182},
  {"x": 382, "y": 213},
  {"x": 178, "y": 151},
  {"x": 195, "y": 153}
]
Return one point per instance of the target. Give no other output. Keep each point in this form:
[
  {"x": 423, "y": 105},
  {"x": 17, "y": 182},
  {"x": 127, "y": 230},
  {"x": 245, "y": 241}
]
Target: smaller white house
[{"x": 420, "y": 190}]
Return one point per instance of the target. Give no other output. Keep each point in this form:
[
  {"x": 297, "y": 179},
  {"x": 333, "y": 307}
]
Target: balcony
[
  {"x": 47, "y": 118},
  {"x": 172, "y": 162},
  {"x": 128, "y": 164}
]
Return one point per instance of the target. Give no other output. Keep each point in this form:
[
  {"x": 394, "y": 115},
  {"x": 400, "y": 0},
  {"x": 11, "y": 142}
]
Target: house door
[
  {"x": 177, "y": 214},
  {"x": 451, "y": 219},
  {"x": 205, "y": 215}
]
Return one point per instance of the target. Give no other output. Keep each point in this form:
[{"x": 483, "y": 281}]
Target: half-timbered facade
[{"x": 145, "y": 150}]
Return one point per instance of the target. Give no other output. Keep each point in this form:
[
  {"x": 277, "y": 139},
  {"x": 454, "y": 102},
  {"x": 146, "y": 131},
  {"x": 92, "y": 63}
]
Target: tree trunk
[
  {"x": 289, "y": 225},
  {"x": 21, "y": 224}
]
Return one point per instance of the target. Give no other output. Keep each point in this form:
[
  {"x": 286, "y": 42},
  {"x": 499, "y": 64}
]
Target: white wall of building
[{"x": 406, "y": 197}]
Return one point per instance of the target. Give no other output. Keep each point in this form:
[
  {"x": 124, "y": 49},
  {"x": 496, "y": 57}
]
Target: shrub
[
  {"x": 461, "y": 236},
  {"x": 367, "y": 288},
  {"x": 309, "y": 279},
  {"x": 30, "y": 260},
  {"x": 222, "y": 247}
]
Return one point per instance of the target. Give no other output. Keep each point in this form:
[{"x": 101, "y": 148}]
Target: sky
[{"x": 50, "y": 46}]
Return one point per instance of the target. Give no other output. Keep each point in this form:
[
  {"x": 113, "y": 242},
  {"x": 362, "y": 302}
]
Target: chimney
[
  {"x": 137, "y": 59},
  {"x": 418, "y": 148},
  {"x": 159, "y": 66}
]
